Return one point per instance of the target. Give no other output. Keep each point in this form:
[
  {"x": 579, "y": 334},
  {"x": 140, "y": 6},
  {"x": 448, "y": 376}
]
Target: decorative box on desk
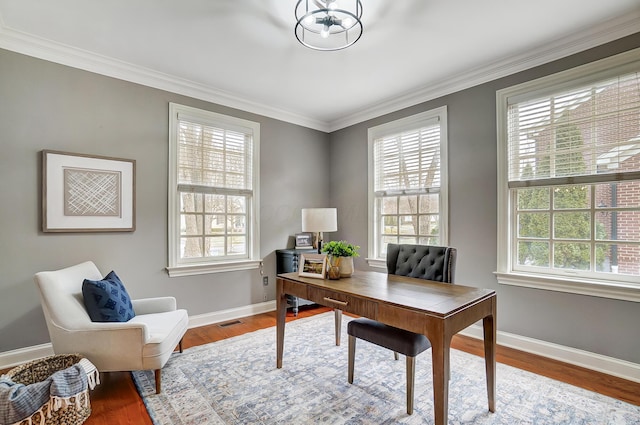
[{"x": 287, "y": 262}]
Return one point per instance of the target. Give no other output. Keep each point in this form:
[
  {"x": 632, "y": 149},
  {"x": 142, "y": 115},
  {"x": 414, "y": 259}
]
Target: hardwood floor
[{"x": 116, "y": 402}]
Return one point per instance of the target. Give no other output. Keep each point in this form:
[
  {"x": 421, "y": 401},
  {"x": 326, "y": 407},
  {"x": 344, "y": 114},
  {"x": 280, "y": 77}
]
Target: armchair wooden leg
[
  {"x": 180, "y": 344},
  {"x": 352, "y": 355},
  {"x": 411, "y": 374},
  {"x": 158, "y": 381}
]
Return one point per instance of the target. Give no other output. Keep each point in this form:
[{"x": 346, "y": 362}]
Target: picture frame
[
  {"x": 304, "y": 240},
  {"x": 312, "y": 265},
  {"x": 87, "y": 193}
]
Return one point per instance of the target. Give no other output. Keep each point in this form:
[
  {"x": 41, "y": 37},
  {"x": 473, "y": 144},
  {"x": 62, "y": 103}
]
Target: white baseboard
[
  {"x": 597, "y": 362},
  {"x": 230, "y": 314},
  {"x": 22, "y": 355},
  {"x": 609, "y": 365}
]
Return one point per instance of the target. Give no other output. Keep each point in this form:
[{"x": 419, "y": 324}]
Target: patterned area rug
[{"x": 235, "y": 381}]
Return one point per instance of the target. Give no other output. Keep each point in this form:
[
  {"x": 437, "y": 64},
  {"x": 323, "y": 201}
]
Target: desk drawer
[{"x": 343, "y": 302}]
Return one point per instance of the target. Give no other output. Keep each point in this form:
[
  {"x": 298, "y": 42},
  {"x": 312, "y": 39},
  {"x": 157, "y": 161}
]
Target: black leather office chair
[{"x": 419, "y": 261}]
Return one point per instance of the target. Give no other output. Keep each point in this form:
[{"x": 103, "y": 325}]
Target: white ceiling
[{"x": 243, "y": 53}]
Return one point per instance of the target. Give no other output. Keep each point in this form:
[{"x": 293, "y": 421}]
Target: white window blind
[
  {"x": 579, "y": 135},
  {"x": 213, "y": 159},
  {"x": 408, "y": 162}
]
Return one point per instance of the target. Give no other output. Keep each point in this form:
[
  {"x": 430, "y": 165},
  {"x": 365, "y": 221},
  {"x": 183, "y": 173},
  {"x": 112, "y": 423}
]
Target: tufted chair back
[{"x": 422, "y": 261}]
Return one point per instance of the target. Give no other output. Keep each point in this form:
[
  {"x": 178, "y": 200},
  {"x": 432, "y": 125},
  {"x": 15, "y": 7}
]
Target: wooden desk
[{"x": 437, "y": 310}]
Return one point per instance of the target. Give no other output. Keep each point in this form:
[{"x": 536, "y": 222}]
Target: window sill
[
  {"x": 377, "y": 263},
  {"x": 197, "y": 269},
  {"x": 613, "y": 290}
]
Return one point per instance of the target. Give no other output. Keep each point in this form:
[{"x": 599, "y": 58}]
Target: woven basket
[{"x": 41, "y": 369}]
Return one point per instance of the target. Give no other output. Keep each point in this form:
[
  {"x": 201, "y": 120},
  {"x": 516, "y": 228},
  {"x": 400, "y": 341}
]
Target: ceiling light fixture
[{"x": 327, "y": 25}]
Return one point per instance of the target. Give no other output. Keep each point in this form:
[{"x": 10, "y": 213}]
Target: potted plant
[{"x": 341, "y": 255}]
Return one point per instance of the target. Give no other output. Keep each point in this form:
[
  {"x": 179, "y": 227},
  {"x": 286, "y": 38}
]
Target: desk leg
[
  {"x": 441, "y": 347},
  {"x": 281, "y": 314},
  {"x": 338, "y": 316},
  {"x": 489, "y": 327}
]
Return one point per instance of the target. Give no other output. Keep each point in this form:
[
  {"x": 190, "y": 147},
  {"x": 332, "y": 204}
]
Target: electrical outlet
[
  {"x": 264, "y": 297},
  {"x": 265, "y": 280}
]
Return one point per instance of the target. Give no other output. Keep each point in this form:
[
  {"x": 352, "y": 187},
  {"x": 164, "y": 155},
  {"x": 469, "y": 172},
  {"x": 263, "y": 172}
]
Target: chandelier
[{"x": 327, "y": 25}]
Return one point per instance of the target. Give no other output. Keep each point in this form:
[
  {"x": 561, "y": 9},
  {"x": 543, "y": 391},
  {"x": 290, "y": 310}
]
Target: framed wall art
[
  {"x": 87, "y": 193},
  {"x": 312, "y": 265}
]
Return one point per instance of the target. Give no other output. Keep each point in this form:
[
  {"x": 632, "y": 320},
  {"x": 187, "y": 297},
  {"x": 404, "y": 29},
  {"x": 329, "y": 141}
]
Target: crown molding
[
  {"x": 30, "y": 45},
  {"x": 41, "y": 48},
  {"x": 578, "y": 42}
]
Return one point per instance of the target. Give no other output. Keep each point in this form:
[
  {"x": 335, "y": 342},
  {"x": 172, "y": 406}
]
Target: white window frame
[
  {"x": 623, "y": 287},
  {"x": 395, "y": 127},
  {"x": 207, "y": 265}
]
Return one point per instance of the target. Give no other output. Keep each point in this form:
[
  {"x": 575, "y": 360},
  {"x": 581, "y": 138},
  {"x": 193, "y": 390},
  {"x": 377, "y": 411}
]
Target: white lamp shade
[{"x": 319, "y": 219}]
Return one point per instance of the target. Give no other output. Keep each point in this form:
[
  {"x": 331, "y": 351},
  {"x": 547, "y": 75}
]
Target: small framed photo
[
  {"x": 304, "y": 240},
  {"x": 313, "y": 265}
]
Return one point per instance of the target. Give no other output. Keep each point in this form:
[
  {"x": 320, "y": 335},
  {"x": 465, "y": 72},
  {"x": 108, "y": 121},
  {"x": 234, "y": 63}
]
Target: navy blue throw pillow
[{"x": 107, "y": 300}]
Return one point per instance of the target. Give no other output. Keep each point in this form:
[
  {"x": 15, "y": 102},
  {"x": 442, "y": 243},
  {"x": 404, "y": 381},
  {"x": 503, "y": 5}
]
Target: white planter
[{"x": 346, "y": 266}]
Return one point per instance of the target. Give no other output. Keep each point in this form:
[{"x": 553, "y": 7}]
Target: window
[
  {"x": 569, "y": 180},
  {"x": 407, "y": 183},
  {"x": 213, "y": 192}
]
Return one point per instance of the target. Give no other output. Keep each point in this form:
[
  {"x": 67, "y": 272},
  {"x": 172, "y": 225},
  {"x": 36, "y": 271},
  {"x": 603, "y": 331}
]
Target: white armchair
[{"x": 143, "y": 343}]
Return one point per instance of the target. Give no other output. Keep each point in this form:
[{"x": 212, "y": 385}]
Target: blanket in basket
[{"x": 19, "y": 401}]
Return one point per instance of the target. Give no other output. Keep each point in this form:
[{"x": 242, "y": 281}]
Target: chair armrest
[
  {"x": 101, "y": 337},
  {"x": 110, "y": 346},
  {"x": 154, "y": 305},
  {"x": 141, "y": 330}
]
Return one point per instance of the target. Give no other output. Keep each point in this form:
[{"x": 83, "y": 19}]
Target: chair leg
[
  {"x": 158, "y": 381},
  {"x": 411, "y": 373},
  {"x": 395, "y": 355},
  {"x": 352, "y": 355},
  {"x": 180, "y": 344}
]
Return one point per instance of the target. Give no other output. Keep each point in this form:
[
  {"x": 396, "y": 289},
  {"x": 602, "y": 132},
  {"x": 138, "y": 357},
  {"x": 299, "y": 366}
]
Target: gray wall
[
  {"x": 48, "y": 106},
  {"x": 599, "y": 325}
]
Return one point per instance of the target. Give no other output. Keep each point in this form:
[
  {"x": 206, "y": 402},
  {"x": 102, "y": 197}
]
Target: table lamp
[{"x": 318, "y": 220}]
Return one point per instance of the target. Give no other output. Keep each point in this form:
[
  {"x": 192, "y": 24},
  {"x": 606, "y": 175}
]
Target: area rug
[{"x": 235, "y": 381}]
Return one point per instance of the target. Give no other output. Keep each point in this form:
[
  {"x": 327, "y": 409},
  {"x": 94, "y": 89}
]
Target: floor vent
[{"x": 233, "y": 322}]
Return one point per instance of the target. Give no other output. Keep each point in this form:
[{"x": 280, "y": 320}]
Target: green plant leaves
[{"x": 341, "y": 249}]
